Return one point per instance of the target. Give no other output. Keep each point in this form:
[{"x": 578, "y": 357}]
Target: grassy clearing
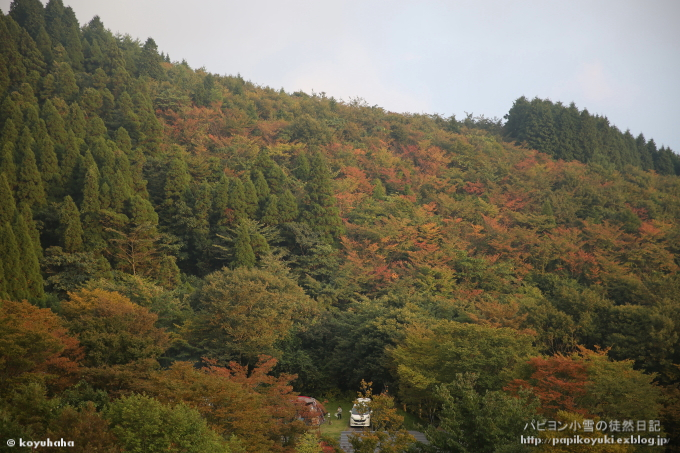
[{"x": 333, "y": 430}]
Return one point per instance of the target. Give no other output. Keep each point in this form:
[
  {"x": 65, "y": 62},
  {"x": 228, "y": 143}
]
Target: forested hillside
[{"x": 192, "y": 250}]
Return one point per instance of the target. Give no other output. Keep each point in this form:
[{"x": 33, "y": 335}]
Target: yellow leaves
[{"x": 96, "y": 302}]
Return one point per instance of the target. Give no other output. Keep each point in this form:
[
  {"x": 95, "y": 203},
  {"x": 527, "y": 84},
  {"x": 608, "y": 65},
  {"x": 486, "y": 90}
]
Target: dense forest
[{"x": 188, "y": 250}]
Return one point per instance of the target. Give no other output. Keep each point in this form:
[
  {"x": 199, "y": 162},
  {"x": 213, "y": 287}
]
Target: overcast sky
[{"x": 618, "y": 58}]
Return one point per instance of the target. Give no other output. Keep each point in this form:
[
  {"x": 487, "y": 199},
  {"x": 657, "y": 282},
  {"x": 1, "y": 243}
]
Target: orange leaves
[
  {"x": 557, "y": 381},
  {"x": 474, "y": 188},
  {"x": 253, "y": 405},
  {"x": 34, "y": 342}
]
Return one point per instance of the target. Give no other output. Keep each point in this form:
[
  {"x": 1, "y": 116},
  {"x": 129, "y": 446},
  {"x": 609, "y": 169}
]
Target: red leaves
[{"x": 557, "y": 381}]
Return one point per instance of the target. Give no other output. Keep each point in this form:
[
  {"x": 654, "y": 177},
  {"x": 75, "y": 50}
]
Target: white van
[{"x": 361, "y": 413}]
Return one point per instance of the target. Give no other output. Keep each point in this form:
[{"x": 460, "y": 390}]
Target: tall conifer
[
  {"x": 243, "y": 250},
  {"x": 26, "y": 212},
  {"x": 70, "y": 227},
  {"x": 30, "y": 264},
  {"x": 7, "y": 204},
  {"x": 250, "y": 196},
  {"x": 30, "y": 186},
  {"x": 7, "y": 164},
  {"x": 320, "y": 211},
  {"x": 15, "y": 281}
]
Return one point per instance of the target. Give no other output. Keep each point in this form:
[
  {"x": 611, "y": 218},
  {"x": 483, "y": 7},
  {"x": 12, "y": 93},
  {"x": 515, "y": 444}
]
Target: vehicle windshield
[{"x": 360, "y": 410}]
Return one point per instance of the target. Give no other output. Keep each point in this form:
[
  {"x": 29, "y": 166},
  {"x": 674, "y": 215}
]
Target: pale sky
[{"x": 617, "y": 58}]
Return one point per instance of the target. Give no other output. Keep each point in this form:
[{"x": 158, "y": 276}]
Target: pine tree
[
  {"x": 220, "y": 204},
  {"x": 379, "y": 192},
  {"x": 29, "y": 182},
  {"x": 302, "y": 169},
  {"x": 320, "y": 210},
  {"x": 71, "y": 39},
  {"x": 9, "y": 133},
  {"x": 70, "y": 162},
  {"x": 30, "y": 264},
  {"x": 150, "y": 61},
  {"x": 270, "y": 213},
  {"x": 65, "y": 85},
  {"x": 10, "y": 111},
  {"x": 250, "y": 196},
  {"x": 76, "y": 121},
  {"x": 92, "y": 229},
  {"x": 288, "y": 207},
  {"x": 15, "y": 281},
  {"x": 70, "y": 226},
  {"x": 261, "y": 186},
  {"x": 7, "y": 164},
  {"x": 120, "y": 191},
  {"x": 33, "y": 232},
  {"x": 136, "y": 161},
  {"x": 44, "y": 43},
  {"x": 243, "y": 253},
  {"x": 55, "y": 126},
  {"x": 29, "y": 14},
  {"x": 47, "y": 158},
  {"x": 131, "y": 121},
  {"x": 7, "y": 204},
  {"x": 237, "y": 201}
]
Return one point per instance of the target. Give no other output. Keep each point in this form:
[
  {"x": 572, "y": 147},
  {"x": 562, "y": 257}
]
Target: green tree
[
  {"x": 320, "y": 209},
  {"x": 150, "y": 62},
  {"x": 244, "y": 256},
  {"x": 15, "y": 280},
  {"x": 30, "y": 265},
  {"x": 113, "y": 330},
  {"x": 144, "y": 425},
  {"x": 244, "y": 312},
  {"x": 30, "y": 188},
  {"x": 308, "y": 443},
  {"x": 388, "y": 433},
  {"x": 7, "y": 204},
  {"x": 473, "y": 422},
  {"x": 434, "y": 354},
  {"x": 71, "y": 230}
]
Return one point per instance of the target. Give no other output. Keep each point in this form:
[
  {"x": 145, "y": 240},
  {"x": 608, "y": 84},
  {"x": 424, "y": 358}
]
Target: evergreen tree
[
  {"x": 71, "y": 39},
  {"x": 44, "y": 44},
  {"x": 7, "y": 204},
  {"x": 243, "y": 250},
  {"x": 29, "y": 182},
  {"x": 261, "y": 186},
  {"x": 7, "y": 164},
  {"x": 250, "y": 196},
  {"x": 76, "y": 121},
  {"x": 70, "y": 227},
  {"x": 320, "y": 210},
  {"x": 150, "y": 61},
  {"x": 237, "y": 199},
  {"x": 220, "y": 204},
  {"x": 288, "y": 207},
  {"x": 48, "y": 162},
  {"x": 65, "y": 85},
  {"x": 55, "y": 126},
  {"x": 29, "y": 14},
  {"x": 33, "y": 232},
  {"x": 379, "y": 192},
  {"x": 15, "y": 281},
  {"x": 270, "y": 213},
  {"x": 92, "y": 230},
  {"x": 302, "y": 169},
  {"x": 10, "y": 111},
  {"x": 130, "y": 120},
  {"x": 9, "y": 133},
  {"x": 120, "y": 191},
  {"x": 30, "y": 264}
]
